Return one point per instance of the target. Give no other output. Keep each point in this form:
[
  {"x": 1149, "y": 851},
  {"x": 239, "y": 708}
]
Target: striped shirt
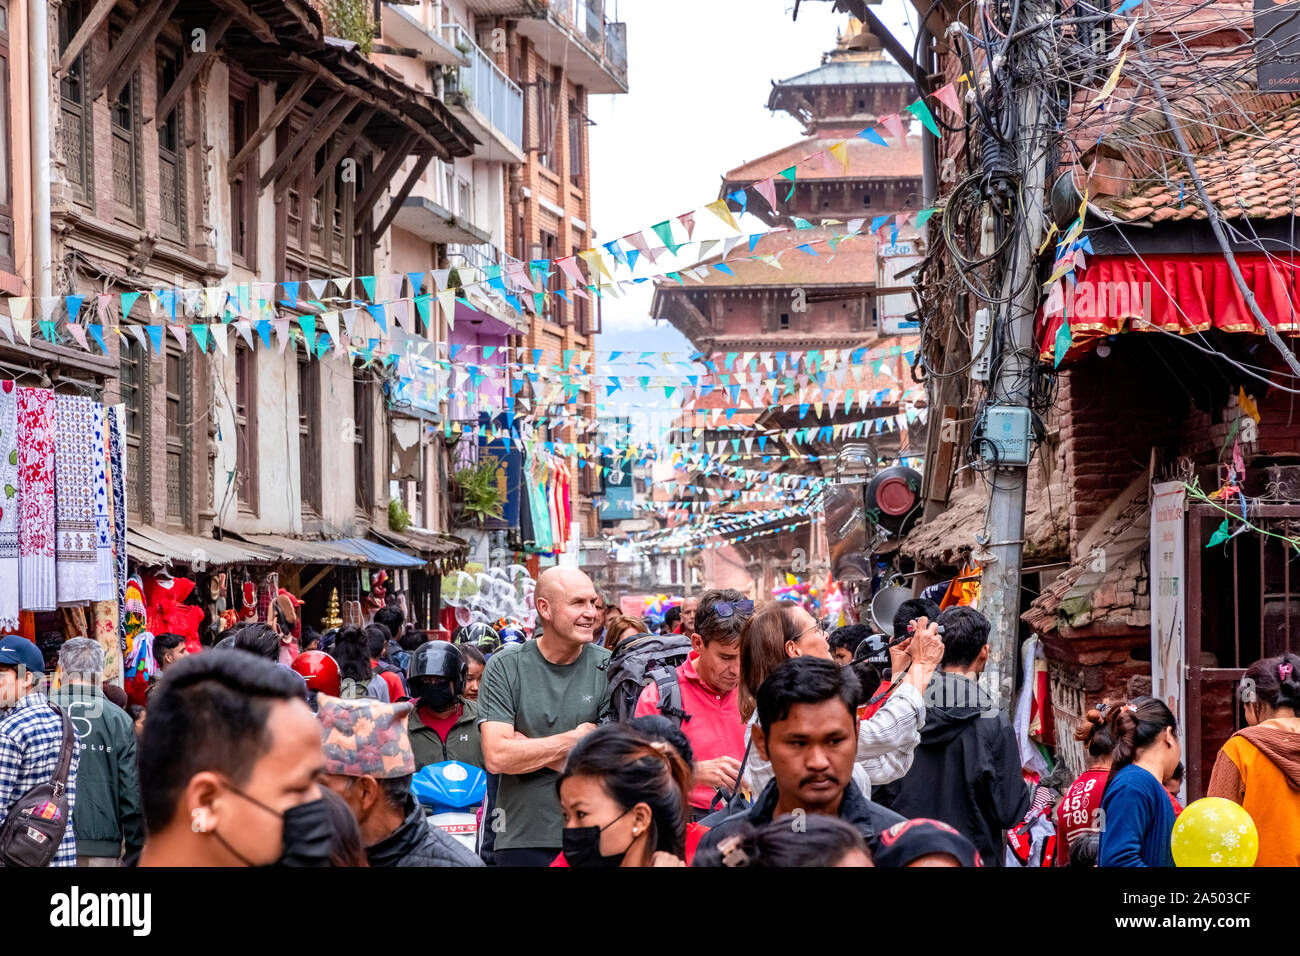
[{"x": 31, "y": 737}]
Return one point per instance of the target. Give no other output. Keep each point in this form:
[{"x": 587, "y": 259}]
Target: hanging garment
[
  {"x": 74, "y": 502},
  {"x": 168, "y": 614},
  {"x": 36, "y": 587},
  {"x": 117, "y": 464},
  {"x": 140, "y": 669},
  {"x": 105, "y": 587},
  {"x": 8, "y": 506},
  {"x": 72, "y": 621},
  {"x": 135, "y": 617},
  {"x": 105, "y": 630}
]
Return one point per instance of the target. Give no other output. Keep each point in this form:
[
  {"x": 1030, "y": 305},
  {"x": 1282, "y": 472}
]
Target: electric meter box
[{"x": 1008, "y": 429}]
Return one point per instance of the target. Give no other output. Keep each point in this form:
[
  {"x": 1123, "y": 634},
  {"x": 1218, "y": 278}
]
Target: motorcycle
[{"x": 452, "y": 795}]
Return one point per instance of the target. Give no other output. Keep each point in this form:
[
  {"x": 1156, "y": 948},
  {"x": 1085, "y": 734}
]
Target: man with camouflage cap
[{"x": 369, "y": 763}]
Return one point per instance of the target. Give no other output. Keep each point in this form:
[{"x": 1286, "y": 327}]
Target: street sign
[
  {"x": 1277, "y": 46},
  {"x": 894, "y": 302}
]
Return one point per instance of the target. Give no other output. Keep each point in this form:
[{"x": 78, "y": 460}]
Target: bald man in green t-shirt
[{"x": 536, "y": 701}]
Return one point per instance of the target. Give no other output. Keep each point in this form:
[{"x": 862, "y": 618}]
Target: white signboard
[
  {"x": 1169, "y": 596},
  {"x": 892, "y": 308}
]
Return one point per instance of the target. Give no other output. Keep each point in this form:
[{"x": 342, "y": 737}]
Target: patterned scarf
[
  {"x": 36, "y": 499},
  {"x": 105, "y": 585},
  {"x": 74, "y": 514},
  {"x": 117, "y": 462},
  {"x": 8, "y": 506}
]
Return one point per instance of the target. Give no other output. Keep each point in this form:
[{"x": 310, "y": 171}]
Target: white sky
[{"x": 699, "y": 75}]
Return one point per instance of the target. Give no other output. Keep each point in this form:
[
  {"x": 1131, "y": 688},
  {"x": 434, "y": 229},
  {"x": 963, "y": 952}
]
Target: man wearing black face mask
[
  {"x": 230, "y": 767},
  {"x": 443, "y": 725}
]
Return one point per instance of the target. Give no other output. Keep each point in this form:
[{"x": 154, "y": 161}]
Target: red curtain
[{"x": 1173, "y": 293}]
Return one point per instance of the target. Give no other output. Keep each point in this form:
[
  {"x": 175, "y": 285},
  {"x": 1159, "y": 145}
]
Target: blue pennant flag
[
  {"x": 376, "y": 310},
  {"x": 871, "y": 136},
  {"x": 290, "y": 293}
]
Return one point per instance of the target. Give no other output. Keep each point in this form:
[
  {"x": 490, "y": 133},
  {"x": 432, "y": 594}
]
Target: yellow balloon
[{"x": 1214, "y": 832}]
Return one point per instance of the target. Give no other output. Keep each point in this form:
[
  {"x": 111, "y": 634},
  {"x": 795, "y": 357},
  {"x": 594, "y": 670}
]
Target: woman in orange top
[{"x": 1259, "y": 766}]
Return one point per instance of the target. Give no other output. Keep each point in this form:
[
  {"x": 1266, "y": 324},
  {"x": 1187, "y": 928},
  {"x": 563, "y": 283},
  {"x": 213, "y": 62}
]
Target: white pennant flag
[{"x": 218, "y": 333}]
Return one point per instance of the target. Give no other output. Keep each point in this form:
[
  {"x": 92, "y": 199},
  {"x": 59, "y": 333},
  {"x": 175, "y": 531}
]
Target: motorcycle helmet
[
  {"x": 483, "y": 636},
  {"x": 319, "y": 670},
  {"x": 874, "y": 649},
  {"x": 438, "y": 659}
]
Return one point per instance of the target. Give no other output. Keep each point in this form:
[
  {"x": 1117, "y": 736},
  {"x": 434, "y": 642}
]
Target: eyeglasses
[
  {"x": 819, "y": 625},
  {"x": 726, "y": 609}
]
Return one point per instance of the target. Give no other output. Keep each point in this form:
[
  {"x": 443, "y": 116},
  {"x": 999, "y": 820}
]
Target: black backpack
[
  {"x": 639, "y": 660},
  {"x": 34, "y": 828}
]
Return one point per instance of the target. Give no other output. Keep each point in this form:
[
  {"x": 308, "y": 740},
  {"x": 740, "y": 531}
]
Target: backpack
[
  {"x": 34, "y": 828},
  {"x": 353, "y": 689},
  {"x": 639, "y": 660}
]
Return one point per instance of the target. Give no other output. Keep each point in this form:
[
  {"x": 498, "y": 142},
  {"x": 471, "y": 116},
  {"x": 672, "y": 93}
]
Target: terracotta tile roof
[
  {"x": 1116, "y": 598},
  {"x": 1254, "y": 174},
  {"x": 866, "y": 161}
]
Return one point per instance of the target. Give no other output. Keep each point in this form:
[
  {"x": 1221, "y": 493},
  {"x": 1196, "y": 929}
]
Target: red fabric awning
[{"x": 1171, "y": 293}]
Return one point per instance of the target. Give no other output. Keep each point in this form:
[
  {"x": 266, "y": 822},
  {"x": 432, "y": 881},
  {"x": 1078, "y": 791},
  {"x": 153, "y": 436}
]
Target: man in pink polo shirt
[{"x": 706, "y": 684}]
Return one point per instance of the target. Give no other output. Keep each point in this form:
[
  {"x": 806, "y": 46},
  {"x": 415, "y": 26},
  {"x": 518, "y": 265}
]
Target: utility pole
[{"x": 1032, "y": 100}]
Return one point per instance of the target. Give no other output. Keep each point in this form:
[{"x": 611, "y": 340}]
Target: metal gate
[{"x": 1243, "y": 604}]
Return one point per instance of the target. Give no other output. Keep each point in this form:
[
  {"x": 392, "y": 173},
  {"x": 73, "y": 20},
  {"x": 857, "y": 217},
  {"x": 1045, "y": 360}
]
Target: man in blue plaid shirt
[{"x": 31, "y": 735}]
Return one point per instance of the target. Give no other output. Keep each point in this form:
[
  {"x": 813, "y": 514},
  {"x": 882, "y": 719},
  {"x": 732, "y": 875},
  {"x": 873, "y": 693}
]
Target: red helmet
[{"x": 319, "y": 670}]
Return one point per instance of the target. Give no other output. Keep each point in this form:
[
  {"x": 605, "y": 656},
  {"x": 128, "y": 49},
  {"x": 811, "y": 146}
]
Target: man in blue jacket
[
  {"x": 966, "y": 770},
  {"x": 108, "y": 813}
]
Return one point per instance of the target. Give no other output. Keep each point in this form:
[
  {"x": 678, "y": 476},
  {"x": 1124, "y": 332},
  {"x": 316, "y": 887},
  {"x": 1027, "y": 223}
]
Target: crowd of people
[{"x": 740, "y": 734}]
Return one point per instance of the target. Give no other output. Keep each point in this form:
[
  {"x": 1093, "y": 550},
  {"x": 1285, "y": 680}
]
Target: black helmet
[
  {"x": 874, "y": 649},
  {"x": 438, "y": 659},
  {"x": 480, "y": 635}
]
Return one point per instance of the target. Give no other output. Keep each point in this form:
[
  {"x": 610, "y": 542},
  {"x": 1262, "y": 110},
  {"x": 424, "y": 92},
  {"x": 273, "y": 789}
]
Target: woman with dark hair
[
  {"x": 623, "y": 794},
  {"x": 346, "y": 848},
  {"x": 659, "y": 727},
  {"x": 1137, "y": 818},
  {"x": 475, "y": 663},
  {"x": 356, "y": 673},
  {"x": 1259, "y": 766},
  {"x": 1079, "y": 811},
  {"x": 818, "y": 840}
]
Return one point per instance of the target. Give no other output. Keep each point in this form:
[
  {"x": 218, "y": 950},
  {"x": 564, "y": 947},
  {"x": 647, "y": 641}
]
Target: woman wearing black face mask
[
  {"x": 624, "y": 800},
  {"x": 443, "y": 725}
]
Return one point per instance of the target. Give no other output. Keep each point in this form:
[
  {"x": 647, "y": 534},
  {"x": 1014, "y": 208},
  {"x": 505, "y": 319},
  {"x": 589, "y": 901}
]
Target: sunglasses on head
[{"x": 725, "y": 609}]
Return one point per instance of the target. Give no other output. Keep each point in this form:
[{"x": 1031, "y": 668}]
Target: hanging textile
[
  {"x": 8, "y": 506},
  {"x": 74, "y": 502},
  {"x": 105, "y": 587},
  {"x": 36, "y": 588},
  {"x": 105, "y": 630}
]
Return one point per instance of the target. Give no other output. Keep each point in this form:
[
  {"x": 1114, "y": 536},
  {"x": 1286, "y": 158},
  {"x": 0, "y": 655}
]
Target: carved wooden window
[
  {"x": 243, "y": 190},
  {"x": 246, "y": 426},
  {"x": 171, "y": 154},
  {"x": 309, "y": 424},
  {"x": 132, "y": 380},
  {"x": 74, "y": 120},
  {"x": 125, "y": 123},
  {"x": 177, "y": 385}
]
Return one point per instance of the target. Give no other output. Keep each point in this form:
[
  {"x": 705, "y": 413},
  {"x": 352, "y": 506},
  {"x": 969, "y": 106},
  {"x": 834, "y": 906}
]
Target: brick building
[{"x": 1165, "y": 392}]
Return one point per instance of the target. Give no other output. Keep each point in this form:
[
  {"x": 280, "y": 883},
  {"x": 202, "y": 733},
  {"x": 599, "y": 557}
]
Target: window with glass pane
[{"x": 576, "y": 124}]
